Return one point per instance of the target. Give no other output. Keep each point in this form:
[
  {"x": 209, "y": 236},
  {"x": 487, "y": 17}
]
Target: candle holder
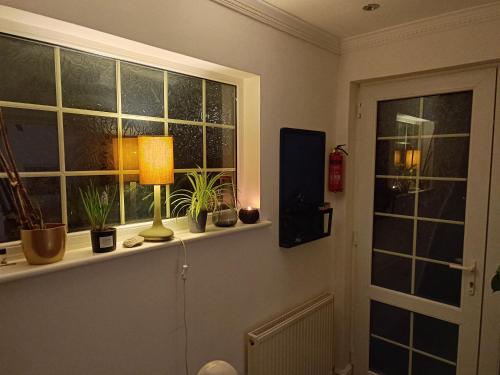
[{"x": 249, "y": 215}]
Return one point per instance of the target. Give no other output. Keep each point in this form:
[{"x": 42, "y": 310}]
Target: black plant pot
[
  {"x": 103, "y": 241},
  {"x": 198, "y": 224}
]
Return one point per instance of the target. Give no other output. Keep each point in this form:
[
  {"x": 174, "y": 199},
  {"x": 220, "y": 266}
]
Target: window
[{"x": 73, "y": 117}]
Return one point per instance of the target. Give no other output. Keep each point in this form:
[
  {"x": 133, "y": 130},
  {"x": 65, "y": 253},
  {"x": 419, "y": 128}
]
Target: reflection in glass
[
  {"x": 220, "y": 147},
  {"x": 393, "y": 234},
  {"x": 88, "y": 81},
  {"x": 387, "y": 114},
  {"x": 391, "y": 272},
  {"x": 36, "y": 132},
  {"x": 180, "y": 182},
  {"x": 139, "y": 200},
  {"x": 185, "y": 99},
  {"x": 188, "y": 145},
  {"x": 435, "y": 336},
  {"x": 438, "y": 282},
  {"x": 88, "y": 142},
  {"x": 445, "y": 157},
  {"x": 442, "y": 200},
  {"x": 387, "y": 358},
  {"x": 77, "y": 219},
  {"x": 28, "y": 71},
  {"x": 221, "y": 103},
  {"x": 131, "y": 129},
  {"x": 397, "y": 158},
  {"x": 45, "y": 192},
  {"x": 142, "y": 90},
  {"x": 393, "y": 196},
  {"x": 390, "y": 322},
  {"x": 440, "y": 241}
]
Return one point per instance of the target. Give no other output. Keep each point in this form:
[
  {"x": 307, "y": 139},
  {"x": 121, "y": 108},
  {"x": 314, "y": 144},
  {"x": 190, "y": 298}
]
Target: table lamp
[{"x": 156, "y": 167}]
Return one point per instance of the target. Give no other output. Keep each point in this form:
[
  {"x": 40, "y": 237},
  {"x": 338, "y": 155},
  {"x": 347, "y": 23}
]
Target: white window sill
[{"x": 83, "y": 256}]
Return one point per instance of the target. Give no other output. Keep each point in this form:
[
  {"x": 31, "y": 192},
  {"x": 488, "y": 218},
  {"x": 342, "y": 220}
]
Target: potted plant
[
  {"x": 42, "y": 243},
  {"x": 495, "y": 282},
  {"x": 97, "y": 205},
  {"x": 204, "y": 197}
]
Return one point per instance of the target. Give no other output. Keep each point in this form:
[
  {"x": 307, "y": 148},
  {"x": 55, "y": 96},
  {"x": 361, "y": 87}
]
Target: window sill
[{"x": 76, "y": 258}]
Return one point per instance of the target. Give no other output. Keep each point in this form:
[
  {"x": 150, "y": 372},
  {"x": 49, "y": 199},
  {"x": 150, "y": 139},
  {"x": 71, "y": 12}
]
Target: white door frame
[{"x": 482, "y": 81}]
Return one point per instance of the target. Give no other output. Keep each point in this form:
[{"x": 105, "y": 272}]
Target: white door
[{"x": 423, "y": 158}]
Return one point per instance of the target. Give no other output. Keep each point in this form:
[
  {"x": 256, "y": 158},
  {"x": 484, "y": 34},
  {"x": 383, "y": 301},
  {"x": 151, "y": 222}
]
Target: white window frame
[{"x": 59, "y": 33}]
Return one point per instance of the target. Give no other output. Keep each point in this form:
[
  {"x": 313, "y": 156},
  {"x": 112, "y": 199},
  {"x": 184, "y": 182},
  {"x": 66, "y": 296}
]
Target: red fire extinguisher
[{"x": 336, "y": 169}]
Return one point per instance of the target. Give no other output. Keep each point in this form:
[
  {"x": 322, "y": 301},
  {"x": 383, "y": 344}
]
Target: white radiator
[{"x": 300, "y": 342}]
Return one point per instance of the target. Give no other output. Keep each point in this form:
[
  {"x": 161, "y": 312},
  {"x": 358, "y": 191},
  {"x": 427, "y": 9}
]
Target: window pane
[
  {"x": 442, "y": 200},
  {"x": 388, "y": 359},
  {"x": 142, "y": 90},
  {"x": 391, "y": 272},
  {"x": 131, "y": 130},
  {"x": 393, "y": 234},
  {"x": 185, "y": 100},
  {"x": 221, "y": 103},
  {"x": 220, "y": 147},
  {"x": 387, "y": 117},
  {"x": 139, "y": 200},
  {"x": 435, "y": 336},
  {"x": 423, "y": 365},
  {"x": 188, "y": 145},
  {"x": 438, "y": 282},
  {"x": 450, "y": 113},
  {"x": 88, "y": 142},
  {"x": 45, "y": 192},
  {"x": 393, "y": 196},
  {"x": 34, "y": 140},
  {"x": 440, "y": 241},
  {"x": 390, "y": 322},
  {"x": 445, "y": 157},
  {"x": 77, "y": 219},
  {"x": 394, "y": 157},
  {"x": 27, "y": 72},
  {"x": 88, "y": 81}
]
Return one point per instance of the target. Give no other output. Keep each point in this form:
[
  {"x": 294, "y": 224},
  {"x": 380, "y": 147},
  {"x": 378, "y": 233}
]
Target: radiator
[{"x": 299, "y": 342}]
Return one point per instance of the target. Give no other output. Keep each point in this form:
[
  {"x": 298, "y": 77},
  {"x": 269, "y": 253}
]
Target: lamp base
[{"x": 157, "y": 234}]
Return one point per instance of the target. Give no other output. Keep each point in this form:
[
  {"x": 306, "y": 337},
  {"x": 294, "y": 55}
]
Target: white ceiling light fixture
[{"x": 371, "y": 7}]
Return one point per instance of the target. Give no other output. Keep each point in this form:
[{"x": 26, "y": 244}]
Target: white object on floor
[{"x": 217, "y": 368}]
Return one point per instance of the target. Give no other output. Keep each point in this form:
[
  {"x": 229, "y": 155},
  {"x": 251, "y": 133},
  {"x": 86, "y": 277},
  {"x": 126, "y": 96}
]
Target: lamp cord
[{"x": 184, "y": 279}]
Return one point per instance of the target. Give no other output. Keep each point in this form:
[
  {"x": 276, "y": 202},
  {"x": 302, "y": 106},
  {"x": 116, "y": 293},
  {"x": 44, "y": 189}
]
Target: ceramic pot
[
  {"x": 44, "y": 246},
  {"x": 103, "y": 241},
  {"x": 198, "y": 225}
]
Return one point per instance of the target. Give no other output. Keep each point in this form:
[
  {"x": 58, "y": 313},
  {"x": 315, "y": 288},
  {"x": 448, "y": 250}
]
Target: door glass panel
[
  {"x": 400, "y": 338},
  {"x": 421, "y": 168}
]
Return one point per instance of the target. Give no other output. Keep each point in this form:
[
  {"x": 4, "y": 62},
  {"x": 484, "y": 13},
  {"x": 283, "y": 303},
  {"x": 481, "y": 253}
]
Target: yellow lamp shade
[
  {"x": 412, "y": 159},
  {"x": 156, "y": 160}
]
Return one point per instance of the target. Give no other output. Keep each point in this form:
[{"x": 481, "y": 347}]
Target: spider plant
[
  {"x": 204, "y": 196},
  {"x": 97, "y": 205}
]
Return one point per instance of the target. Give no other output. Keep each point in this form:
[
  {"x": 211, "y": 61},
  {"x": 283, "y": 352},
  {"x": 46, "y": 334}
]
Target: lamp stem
[{"x": 157, "y": 206}]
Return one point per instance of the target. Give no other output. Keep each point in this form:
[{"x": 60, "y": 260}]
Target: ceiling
[{"x": 346, "y": 18}]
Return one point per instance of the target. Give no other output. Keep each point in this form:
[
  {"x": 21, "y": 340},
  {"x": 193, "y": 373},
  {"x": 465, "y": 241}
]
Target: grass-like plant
[
  {"x": 98, "y": 205},
  {"x": 204, "y": 196}
]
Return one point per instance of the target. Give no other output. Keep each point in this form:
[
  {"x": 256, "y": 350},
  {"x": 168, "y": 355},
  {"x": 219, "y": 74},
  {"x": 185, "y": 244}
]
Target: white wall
[
  {"x": 124, "y": 316},
  {"x": 467, "y": 44}
]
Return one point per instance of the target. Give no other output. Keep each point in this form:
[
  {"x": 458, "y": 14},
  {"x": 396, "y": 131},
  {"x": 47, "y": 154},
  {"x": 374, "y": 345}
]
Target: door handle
[
  {"x": 471, "y": 268},
  {"x": 471, "y": 285}
]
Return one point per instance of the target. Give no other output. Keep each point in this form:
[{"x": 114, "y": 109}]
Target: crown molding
[
  {"x": 445, "y": 22},
  {"x": 270, "y": 15}
]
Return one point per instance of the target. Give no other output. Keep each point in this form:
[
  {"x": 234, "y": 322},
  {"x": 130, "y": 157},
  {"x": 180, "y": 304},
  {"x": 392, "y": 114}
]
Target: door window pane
[
  {"x": 435, "y": 336},
  {"x": 440, "y": 241},
  {"x": 88, "y": 81},
  {"x": 392, "y": 234},
  {"x": 424, "y": 365},
  {"x": 387, "y": 358},
  {"x": 35, "y": 131},
  {"x": 387, "y": 117},
  {"x": 445, "y": 157},
  {"x": 391, "y": 272},
  {"x": 393, "y": 196},
  {"x": 438, "y": 282},
  {"x": 390, "y": 322},
  {"x": 27, "y": 72},
  {"x": 450, "y": 113},
  {"x": 397, "y": 158},
  {"x": 442, "y": 200}
]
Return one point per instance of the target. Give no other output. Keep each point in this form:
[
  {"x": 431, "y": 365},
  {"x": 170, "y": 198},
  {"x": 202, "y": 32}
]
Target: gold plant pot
[{"x": 44, "y": 246}]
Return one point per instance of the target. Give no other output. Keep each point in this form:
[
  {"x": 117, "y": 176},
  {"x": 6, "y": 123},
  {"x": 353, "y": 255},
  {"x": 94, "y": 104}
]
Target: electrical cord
[{"x": 185, "y": 268}]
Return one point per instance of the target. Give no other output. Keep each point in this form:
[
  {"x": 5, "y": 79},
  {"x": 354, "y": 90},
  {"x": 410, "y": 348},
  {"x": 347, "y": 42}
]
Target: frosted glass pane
[
  {"x": 220, "y": 148},
  {"x": 33, "y": 137},
  {"x": 142, "y": 90},
  {"x": 221, "y": 103},
  {"x": 88, "y": 81},
  {"x": 188, "y": 145},
  {"x": 27, "y": 72},
  {"x": 185, "y": 100},
  {"x": 139, "y": 200},
  {"x": 131, "y": 130},
  {"x": 88, "y": 142}
]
